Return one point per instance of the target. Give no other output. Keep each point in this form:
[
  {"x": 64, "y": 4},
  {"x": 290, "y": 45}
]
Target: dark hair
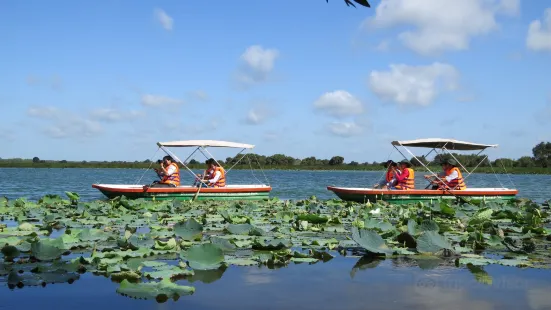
[
  {"x": 393, "y": 164},
  {"x": 167, "y": 157}
]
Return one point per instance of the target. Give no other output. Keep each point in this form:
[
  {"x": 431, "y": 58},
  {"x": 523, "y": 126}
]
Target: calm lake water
[
  {"x": 34, "y": 183},
  {"x": 341, "y": 283}
]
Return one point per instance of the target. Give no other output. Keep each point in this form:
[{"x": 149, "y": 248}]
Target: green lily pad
[
  {"x": 47, "y": 249},
  {"x": 304, "y": 260},
  {"x": 171, "y": 272},
  {"x": 431, "y": 242},
  {"x": 10, "y": 252},
  {"x": 189, "y": 230},
  {"x": 371, "y": 241},
  {"x": 241, "y": 262},
  {"x": 26, "y": 227},
  {"x": 204, "y": 256},
  {"x": 162, "y": 245},
  {"x": 160, "y": 291}
]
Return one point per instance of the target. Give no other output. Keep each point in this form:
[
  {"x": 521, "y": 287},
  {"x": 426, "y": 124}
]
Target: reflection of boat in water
[
  {"x": 189, "y": 192},
  {"x": 364, "y": 195}
]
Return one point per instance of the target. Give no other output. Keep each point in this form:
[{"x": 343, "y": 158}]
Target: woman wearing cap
[
  {"x": 169, "y": 173},
  {"x": 217, "y": 177},
  {"x": 390, "y": 177},
  {"x": 406, "y": 179},
  {"x": 451, "y": 177},
  {"x": 208, "y": 172}
]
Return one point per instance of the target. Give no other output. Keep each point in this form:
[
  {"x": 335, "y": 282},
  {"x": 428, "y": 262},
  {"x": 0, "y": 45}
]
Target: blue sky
[{"x": 106, "y": 80}]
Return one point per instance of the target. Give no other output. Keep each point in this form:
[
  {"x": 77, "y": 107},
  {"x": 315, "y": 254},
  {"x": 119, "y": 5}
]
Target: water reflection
[
  {"x": 255, "y": 276},
  {"x": 365, "y": 262},
  {"x": 207, "y": 276}
]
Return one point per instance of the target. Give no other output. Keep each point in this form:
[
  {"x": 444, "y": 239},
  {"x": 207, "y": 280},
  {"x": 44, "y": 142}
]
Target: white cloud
[
  {"x": 257, "y": 63},
  {"x": 539, "y": 33},
  {"x": 344, "y": 129},
  {"x": 199, "y": 95},
  {"x": 43, "y": 112},
  {"x": 73, "y": 127},
  {"x": 65, "y": 124},
  {"x": 383, "y": 46},
  {"x": 271, "y": 135},
  {"x": 7, "y": 134},
  {"x": 441, "y": 25},
  {"x": 32, "y": 80},
  {"x": 417, "y": 85},
  {"x": 544, "y": 114},
  {"x": 166, "y": 21},
  {"x": 339, "y": 104},
  {"x": 256, "y": 116},
  {"x": 113, "y": 115},
  {"x": 156, "y": 100},
  {"x": 55, "y": 82}
]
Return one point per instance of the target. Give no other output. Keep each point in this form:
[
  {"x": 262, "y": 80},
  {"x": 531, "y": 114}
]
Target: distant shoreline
[{"x": 69, "y": 165}]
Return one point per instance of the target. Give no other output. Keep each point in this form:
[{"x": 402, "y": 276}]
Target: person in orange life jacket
[
  {"x": 390, "y": 176},
  {"x": 451, "y": 177},
  {"x": 405, "y": 180},
  {"x": 208, "y": 173},
  {"x": 169, "y": 173},
  {"x": 218, "y": 177}
]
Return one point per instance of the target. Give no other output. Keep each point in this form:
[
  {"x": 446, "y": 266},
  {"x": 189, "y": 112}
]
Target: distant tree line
[{"x": 541, "y": 159}]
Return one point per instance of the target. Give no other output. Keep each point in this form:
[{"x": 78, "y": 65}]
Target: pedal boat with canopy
[
  {"x": 192, "y": 192},
  {"x": 437, "y": 145}
]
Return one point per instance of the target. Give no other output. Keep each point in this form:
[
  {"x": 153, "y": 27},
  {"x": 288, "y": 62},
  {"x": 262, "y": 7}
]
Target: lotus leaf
[
  {"x": 270, "y": 244},
  {"x": 26, "y": 227},
  {"x": 47, "y": 249},
  {"x": 431, "y": 242},
  {"x": 304, "y": 260},
  {"x": 371, "y": 241},
  {"x": 168, "y": 245},
  {"x": 168, "y": 273},
  {"x": 130, "y": 276},
  {"x": 244, "y": 229},
  {"x": 241, "y": 262},
  {"x": 161, "y": 291},
  {"x": 10, "y": 252},
  {"x": 9, "y": 241},
  {"x": 204, "y": 256},
  {"x": 189, "y": 230},
  {"x": 313, "y": 218}
]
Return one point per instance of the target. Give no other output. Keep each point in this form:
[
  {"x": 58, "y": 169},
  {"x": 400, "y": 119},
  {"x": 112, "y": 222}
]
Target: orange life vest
[
  {"x": 222, "y": 180},
  {"x": 457, "y": 183},
  {"x": 174, "y": 178},
  {"x": 407, "y": 183},
  {"x": 209, "y": 173},
  {"x": 389, "y": 175}
]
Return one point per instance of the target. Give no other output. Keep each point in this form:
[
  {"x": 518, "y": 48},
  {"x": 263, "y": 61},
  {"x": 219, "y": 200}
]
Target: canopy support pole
[
  {"x": 238, "y": 160},
  {"x": 447, "y": 151},
  {"x": 178, "y": 160},
  {"x": 405, "y": 148}
]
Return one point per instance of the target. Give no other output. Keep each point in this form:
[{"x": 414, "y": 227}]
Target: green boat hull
[
  {"x": 189, "y": 196},
  {"x": 246, "y": 192},
  {"x": 364, "y": 195},
  {"x": 405, "y": 199}
]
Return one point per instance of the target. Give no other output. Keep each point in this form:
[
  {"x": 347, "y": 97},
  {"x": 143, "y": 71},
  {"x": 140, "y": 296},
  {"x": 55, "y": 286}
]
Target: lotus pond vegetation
[{"x": 158, "y": 249}]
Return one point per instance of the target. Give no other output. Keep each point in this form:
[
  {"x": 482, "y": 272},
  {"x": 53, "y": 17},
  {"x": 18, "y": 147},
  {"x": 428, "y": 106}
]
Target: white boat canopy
[
  {"x": 438, "y": 143},
  {"x": 205, "y": 143}
]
